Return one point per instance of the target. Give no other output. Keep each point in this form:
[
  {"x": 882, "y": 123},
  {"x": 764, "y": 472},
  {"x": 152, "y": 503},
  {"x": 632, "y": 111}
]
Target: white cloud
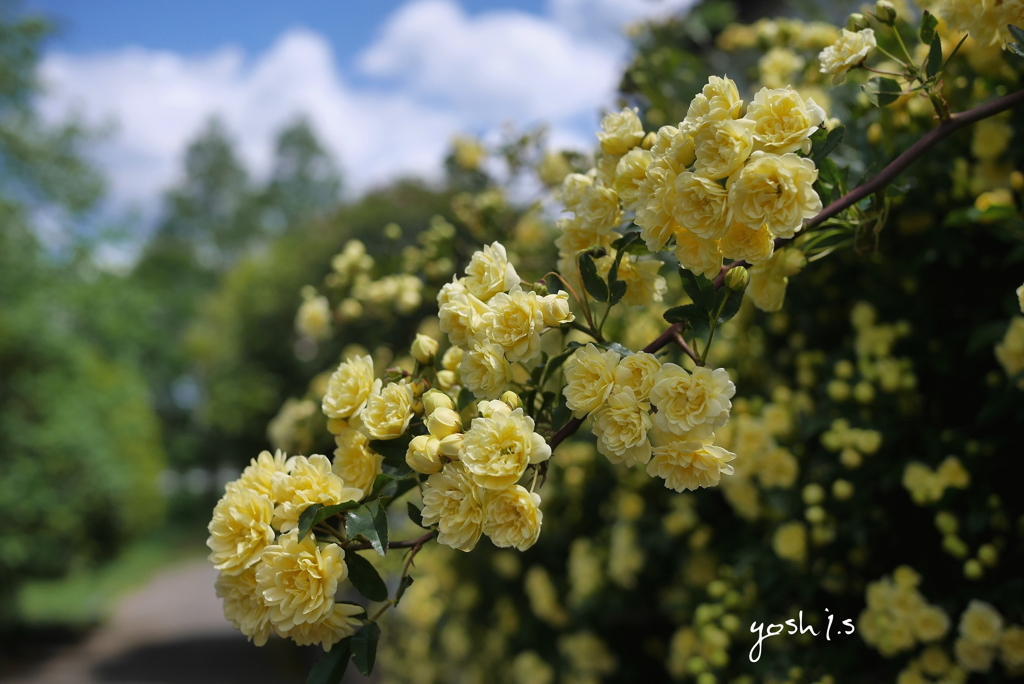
[{"x": 433, "y": 71}]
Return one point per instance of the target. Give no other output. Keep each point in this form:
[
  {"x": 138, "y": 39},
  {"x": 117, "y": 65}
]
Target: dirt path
[{"x": 172, "y": 631}]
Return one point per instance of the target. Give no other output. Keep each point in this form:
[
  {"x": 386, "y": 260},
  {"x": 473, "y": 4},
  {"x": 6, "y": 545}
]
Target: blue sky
[{"x": 386, "y": 83}]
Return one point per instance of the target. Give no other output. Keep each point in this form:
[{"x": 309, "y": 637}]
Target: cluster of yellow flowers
[
  {"x": 851, "y": 443},
  {"x": 982, "y": 634},
  {"x": 270, "y": 581},
  {"x": 927, "y": 486},
  {"x": 621, "y": 392},
  {"x": 314, "y": 319},
  {"x": 494, "y": 321},
  {"x": 780, "y": 32},
  {"x": 985, "y": 20},
  {"x": 898, "y": 616}
]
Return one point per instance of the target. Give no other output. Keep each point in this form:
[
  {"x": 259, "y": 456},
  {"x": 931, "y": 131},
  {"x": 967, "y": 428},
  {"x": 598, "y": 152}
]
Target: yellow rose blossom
[
  {"x": 637, "y": 371},
  {"x": 1010, "y": 351},
  {"x": 460, "y": 313},
  {"x": 599, "y": 209},
  {"x": 424, "y": 348},
  {"x": 718, "y": 100},
  {"x": 489, "y": 272},
  {"x": 722, "y": 147},
  {"x": 985, "y": 20},
  {"x": 553, "y": 168},
  {"x": 621, "y": 427},
  {"x": 244, "y": 606},
  {"x": 702, "y": 206},
  {"x": 575, "y": 236},
  {"x": 454, "y": 502},
  {"x": 629, "y": 174},
  {"x": 388, "y": 410},
  {"x": 753, "y": 246},
  {"x": 340, "y": 623},
  {"x": 688, "y": 400},
  {"x": 656, "y": 197},
  {"x": 703, "y": 257},
  {"x": 258, "y": 476},
  {"x": 930, "y": 623},
  {"x": 573, "y": 187},
  {"x": 620, "y": 131},
  {"x": 846, "y": 53},
  {"x": 308, "y": 481},
  {"x": 674, "y": 148},
  {"x": 590, "y": 377},
  {"x": 515, "y": 322},
  {"x": 500, "y": 444},
  {"x": 973, "y": 656},
  {"x": 778, "y": 66},
  {"x": 298, "y": 580},
  {"x": 768, "y": 280},
  {"x": 776, "y": 191},
  {"x": 1011, "y": 647},
  {"x": 355, "y": 462},
  {"x": 484, "y": 369},
  {"x": 783, "y": 120},
  {"x": 512, "y": 518},
  {"x": 777, "y": 468},
  {"x": 981, "y": 623},
  {"x": 688, "y": 465},
  {"x": 240, "y": 529},
  {"x": 349, "y": 387},
  {"x": 790, "y": 541},
  {"x": 313, "y": 318},
  {"x": 423, "y": 454}
]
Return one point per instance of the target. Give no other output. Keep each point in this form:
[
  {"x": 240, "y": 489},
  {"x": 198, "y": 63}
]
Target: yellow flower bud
[
  {"x": 813, "y": 494},
  {"x": 850, "y": 458},
  {"x": 857, "y": 22},
  {"x": 737, "y": 279},
  {"x": 973, "y": 570},
  {"x": 451, "y": 446},
  {"x": 443, "y": 422},
  {"x": 422, "y": 455},
  {"x": 424, "y": 348},
  {"x": 512, "y": 399},
  {"x": 885, "y": 12},
  {"x": 988, "y": 554},
  {"x": 842, "y": 489},
  {"x": 815, "y": 514},
  {"x": 446, "y": 379},
  {"x": 435, "y": 399},
  {"x": 946, "y": 522}
]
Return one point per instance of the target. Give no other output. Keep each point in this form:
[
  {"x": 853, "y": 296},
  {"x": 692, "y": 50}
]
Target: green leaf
[
  {"x": 616, "y": 287},
  {"x": 700, "y": 289},
  {"x": 732, "y": 304},
  {"x": 882, "y": 91},
  {"x": 594, "y": 284},
  {"x": 934, "y": 57},
  {"x": 928, "y": 24},
  {"x": 393, "y": 450},
  {"x": 820, "y": 151},
  {"x": 466, "y": 397},
  {"x": 365, "y": 577},
  {"x": 1017, "y": 33},
  {"x": 415, "y": 514},
  {"x": 371, "y": 521},
  {"x": 695, "y": 317},
  {"x": 364, "y": 647},
  {"x": 618, "y": 348},
  {"x": 315, "y": 514},
  {"x": 379, "y": 483},
  {"x": 331, "y": 668},
  {"x": 560, "y": 416},
  {"x": 402, "y": 483},
  {"x": 628, "y": 239}
]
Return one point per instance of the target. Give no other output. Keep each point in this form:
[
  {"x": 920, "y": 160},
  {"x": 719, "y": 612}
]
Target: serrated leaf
[
  {"x": 315, "y": 514},
  {"x": 700, "y": 289},
  {"x": 364, "y": 647},
  {"x": 832, "y": 139},
  {"x": 928, "y": 24},
  {"x": 934, "y": 57},
  {"x": 593, "y": 283},
  {"x": 379, "y": 483},
  {"x": 331, "y": 668},
  {"x": 415, "y": 514},
  {"x": 401, "y": 483},
  {"x": 694, "y": 317},
  {"x": 889, "y": 90},
  {"x": 365, "y": 577},
  {"x": 616, "y": 291},
  {"x": 371, "y": 521},
  {"x": 732, "y": 301}
]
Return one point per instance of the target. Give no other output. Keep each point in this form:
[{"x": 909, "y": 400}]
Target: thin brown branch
[
  {"x": 678, "y": 337},
  {"x": 887, "y": 175},
  {"x": 404, "y": 544}
]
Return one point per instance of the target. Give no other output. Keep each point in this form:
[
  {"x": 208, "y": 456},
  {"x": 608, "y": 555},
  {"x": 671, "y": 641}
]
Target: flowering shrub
[{"x": 727, "y": 312}]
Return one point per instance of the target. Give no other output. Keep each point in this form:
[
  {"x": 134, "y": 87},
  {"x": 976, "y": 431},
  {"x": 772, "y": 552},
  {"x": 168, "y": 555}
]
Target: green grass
[{"x": 85, "y": 597}]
